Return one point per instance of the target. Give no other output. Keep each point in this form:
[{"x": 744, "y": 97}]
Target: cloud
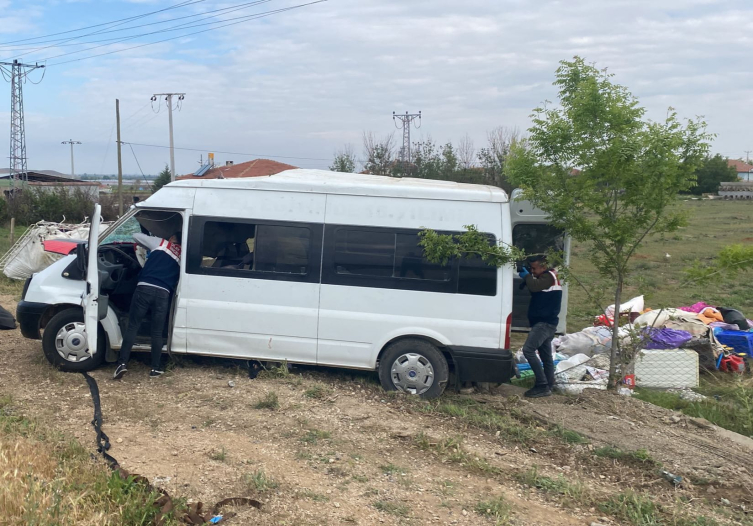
[{"x": 305, "y": 82}]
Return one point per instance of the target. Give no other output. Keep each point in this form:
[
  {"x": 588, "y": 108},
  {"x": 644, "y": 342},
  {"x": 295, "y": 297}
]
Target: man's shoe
[
  {"x": 538, "y": 392},
  {"x": 156, "y": 373},
  {"x": 119, "y": 372}
]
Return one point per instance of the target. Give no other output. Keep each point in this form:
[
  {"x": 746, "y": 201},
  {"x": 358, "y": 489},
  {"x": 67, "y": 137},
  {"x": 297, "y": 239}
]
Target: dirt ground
[{"x": 339, "y": 450}]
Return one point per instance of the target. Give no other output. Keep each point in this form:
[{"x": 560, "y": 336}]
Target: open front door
[
  {"x": 532, "y": 232},
  {"x": 90, "y": 299}
]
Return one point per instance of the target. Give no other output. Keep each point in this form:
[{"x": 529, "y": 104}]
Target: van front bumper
[
  {"x": 28, "y": 316},
  {"x": 480, "y": 364}
]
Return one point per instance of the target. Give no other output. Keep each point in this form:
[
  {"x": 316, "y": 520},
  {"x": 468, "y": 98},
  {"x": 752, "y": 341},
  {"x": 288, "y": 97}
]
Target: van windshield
[{"x": 121, "y": 232}]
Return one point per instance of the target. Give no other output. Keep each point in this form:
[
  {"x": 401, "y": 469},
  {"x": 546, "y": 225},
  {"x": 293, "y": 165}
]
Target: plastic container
[
  {"x": 741, "y": 342},
  {"x": 732, "y": 364}
]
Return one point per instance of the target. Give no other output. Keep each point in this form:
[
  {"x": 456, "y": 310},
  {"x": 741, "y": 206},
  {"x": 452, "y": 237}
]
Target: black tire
[
  {"x": 49, "y": 342},
  {"x": 425, "y": 353}
]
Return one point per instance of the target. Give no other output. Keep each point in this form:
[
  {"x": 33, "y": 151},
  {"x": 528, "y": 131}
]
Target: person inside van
[
  {"x": 543, "y": 317},
  {"x": 156, "y": 284}
]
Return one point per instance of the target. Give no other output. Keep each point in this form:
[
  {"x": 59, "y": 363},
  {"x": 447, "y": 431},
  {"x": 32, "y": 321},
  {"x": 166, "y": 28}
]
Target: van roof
[{"x": 326, "y": 182}]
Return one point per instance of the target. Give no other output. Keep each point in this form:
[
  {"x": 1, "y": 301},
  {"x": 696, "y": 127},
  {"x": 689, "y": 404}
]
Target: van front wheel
[
  {"x": 64, "y": 342},
  {"x": 415, "y": 367}
]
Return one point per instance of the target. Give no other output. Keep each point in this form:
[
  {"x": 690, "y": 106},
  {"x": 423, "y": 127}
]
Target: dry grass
[{"x": 49, "y": 479}]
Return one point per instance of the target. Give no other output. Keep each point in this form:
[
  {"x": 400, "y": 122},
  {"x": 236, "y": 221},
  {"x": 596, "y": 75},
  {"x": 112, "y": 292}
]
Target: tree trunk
[{"x": 614, "y": 378}]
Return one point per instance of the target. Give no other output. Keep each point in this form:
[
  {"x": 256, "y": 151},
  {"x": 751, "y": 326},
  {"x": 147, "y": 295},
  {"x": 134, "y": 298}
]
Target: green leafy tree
[
  {"x": 379, "y": 154},
  {"x": 602, "y": 172},
  {"x": 344, "y": 161},
  {"x": 162, "y": 179},
  {"x": 714, "y": 171},
  {"x": 629, "y": 170}
]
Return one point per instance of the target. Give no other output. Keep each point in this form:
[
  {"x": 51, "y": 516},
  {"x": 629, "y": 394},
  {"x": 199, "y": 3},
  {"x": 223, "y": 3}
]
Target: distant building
[
  {"x": 43, "y": 180},
  {"x": 255, "y": 168},
  {"x": 743, "y": 169}
]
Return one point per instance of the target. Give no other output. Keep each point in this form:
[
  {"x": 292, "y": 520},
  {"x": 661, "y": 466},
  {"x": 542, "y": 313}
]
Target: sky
[{"x": 298, "y": 85}]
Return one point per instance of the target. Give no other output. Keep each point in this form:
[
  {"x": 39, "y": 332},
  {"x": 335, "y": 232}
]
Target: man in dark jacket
[
  {"x": 543, "y": 317},
  {"x": 157, "y": 282}
]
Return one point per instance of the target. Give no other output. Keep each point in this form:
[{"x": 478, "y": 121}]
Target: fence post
[{"x": 12, "y": 230}]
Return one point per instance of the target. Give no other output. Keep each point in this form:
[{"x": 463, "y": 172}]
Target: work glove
[{"x": 523, "y": 273}]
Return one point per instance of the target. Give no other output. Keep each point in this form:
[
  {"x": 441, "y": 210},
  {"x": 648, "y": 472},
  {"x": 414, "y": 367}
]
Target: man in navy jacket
[
  {"x": 157, "y": 282},
  {"x": 543, "y": 318}
]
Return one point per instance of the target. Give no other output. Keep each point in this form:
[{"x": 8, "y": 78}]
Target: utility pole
[
  {"x": 18, "y": 74},
  {"x": 405, "y": 122},
  {"x": 747, "y": 155},
  {"x": 71, "y": 142},
  {"x": 120, "y": 160},
  {"x": 169, "y": 102}
]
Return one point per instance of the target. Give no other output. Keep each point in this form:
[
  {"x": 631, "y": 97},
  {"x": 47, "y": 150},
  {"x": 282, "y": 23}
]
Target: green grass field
[{"x": 711, "y": 226}]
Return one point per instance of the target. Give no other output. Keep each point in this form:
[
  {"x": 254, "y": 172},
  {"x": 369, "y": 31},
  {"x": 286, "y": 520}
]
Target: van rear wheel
[
  {"x": 64, "y": 342},
  {"x": 414, "y": 366}
]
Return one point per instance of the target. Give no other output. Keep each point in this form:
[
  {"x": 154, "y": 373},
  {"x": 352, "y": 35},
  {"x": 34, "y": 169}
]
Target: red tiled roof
[
  {"x": 255, "y": 168},
  {"x": 740, "y": 166}
]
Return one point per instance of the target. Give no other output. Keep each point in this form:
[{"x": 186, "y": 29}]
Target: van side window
[
  {"x": 410, "y": 262},
  {"x": 476, "y": 277},
  {"x": 259, "y": 248},
  {"x": 364, "y": 252},
  {"x": 538, "y": 238},
  {"x": 282, "y": 249},
  {"x": 393, "y": 259}
]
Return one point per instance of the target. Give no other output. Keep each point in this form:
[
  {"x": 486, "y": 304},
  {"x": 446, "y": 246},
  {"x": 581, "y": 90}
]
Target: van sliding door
[{"x": 532, "y": 232}]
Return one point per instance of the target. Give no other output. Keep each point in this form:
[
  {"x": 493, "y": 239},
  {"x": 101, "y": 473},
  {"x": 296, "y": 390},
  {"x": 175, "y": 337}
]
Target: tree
[
  {"x": 601, "y": 172},
  {"x": 379, "y": 154},
  {"x": 711, "y": 173},
  {"x": 345, "y": 160},
  {"x": 494, "y": 157},
  {"x": 162, "y": 179},
  {"x": 466, "y": 152}
]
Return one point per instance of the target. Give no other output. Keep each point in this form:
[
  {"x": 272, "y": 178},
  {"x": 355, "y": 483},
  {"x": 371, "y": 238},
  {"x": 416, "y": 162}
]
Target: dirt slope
[{"x": 340, "y": 450}]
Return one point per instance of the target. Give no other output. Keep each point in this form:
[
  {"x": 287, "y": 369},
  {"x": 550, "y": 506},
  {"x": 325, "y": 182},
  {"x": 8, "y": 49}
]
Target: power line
[
  {"x": 138, "y": 164},
  {"x": 261, "y": 155},
  {"x": 220, "y": 12},
  {"x": 136, "y": 17},
  {"x": 245, "y": 19},
  {"x": 179, "y": 27}
]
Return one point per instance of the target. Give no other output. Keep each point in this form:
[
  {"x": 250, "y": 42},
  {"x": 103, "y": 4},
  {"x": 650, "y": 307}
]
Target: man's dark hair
[
  {"x": 178, "y": 235},
  {"x": 538, "y": 258}
]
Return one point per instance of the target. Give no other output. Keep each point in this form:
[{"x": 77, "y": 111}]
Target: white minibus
[{"x": 308, "y": 267}]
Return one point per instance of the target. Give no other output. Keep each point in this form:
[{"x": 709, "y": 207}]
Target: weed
[
  {"x": 220, "y": 455},
  {"x": 302, "y": 454},
  {"x": 393, "y": 508},
  {"x": 640, "y": 456},
  {"x": 451, "y": 450},
  {"x": 317, "y": 392},
  {"x": 312, "y": 495},
  {"x": 635, "y": 508},
  {"x": 269, "y": 401},
  {"x": 360, "y": 478},
  {"x": 497, "y": 508},
  {"x": 313, "y": 436},
  {"x": 391, "y": 469},
  {"x": 275, "y": 370},
  {"x": 208, "y": 422},
  {"x": 558, "y": 486},
  {"x": 512, "y": 425},
  {"x": 569, "y": 436},
  {"x": 258, "y": 481}
]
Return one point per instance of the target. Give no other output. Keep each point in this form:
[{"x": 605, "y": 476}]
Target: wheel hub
[
  {"x": 71, "y": 344},
  {"x": 412, "y": 373}
]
